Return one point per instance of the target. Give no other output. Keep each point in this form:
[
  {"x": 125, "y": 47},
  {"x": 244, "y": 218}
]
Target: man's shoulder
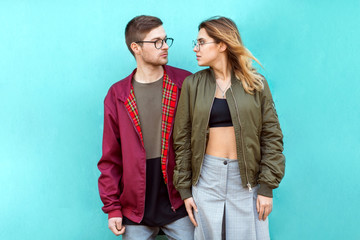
[
  {"x": 121, "y": 88},
  {"x": 177, "y": 70},
  {"x": 177, "y": 75},
  {"x": 123, "y": 82}
]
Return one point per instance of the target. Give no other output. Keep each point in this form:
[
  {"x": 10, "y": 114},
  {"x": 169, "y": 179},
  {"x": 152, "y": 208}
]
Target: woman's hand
[
  {"x": 264, "y": 206},
  {"x": 190, "y": 205}
]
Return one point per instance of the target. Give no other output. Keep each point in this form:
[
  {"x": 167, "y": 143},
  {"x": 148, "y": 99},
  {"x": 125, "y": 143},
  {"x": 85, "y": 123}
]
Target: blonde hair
[{"x": 223, "y": 29}]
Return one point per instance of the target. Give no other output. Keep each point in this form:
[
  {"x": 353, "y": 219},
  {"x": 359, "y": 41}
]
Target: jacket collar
[
  {"x": 125, "y": 85},
  {"x": 234, "y": 80}
]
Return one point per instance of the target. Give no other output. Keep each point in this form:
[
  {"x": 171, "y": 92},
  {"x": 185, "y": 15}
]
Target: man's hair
[{"x": 138, "y": 27}]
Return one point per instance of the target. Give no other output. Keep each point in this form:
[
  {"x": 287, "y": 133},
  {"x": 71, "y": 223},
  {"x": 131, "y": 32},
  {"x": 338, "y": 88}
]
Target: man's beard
[{"x": 158, "y": 61}]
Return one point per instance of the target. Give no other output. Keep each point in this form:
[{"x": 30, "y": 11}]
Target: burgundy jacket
[{"x": 122, "y": 181}]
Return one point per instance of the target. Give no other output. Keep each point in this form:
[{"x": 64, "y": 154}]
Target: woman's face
[{"x": 206, "y": 49}]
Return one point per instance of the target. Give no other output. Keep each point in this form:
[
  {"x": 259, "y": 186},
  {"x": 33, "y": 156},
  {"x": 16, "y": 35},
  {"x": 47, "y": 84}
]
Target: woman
[{"x": 227, "y": 139}]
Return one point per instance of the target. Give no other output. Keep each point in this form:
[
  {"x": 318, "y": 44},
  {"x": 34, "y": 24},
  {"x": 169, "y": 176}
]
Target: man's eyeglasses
[
  {"x": 159, "y": 43},
  {"x": 197, "y": 44}
]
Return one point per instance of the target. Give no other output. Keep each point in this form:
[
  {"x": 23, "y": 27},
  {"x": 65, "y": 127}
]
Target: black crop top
[{"x": 220, "y": 114}]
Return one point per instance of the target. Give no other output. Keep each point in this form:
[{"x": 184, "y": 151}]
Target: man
[{"x": 136, "y": 181}]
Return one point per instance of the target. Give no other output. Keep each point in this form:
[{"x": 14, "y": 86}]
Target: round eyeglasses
[
  {"x": 197, "y": 44},
  {"x": 159, "y": 43}
]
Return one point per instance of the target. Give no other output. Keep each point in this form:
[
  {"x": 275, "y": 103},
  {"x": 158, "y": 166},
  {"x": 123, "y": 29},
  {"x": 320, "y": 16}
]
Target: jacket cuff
[
  {"x": 185, "y": 193},
  {"x": 115, "y": 213},
  {"x": 265, "y": 190}
]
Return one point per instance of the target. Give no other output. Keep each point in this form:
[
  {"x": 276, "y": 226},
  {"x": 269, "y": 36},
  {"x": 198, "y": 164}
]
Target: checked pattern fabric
[
  {"x": 130, "y": 105},
  {"x": 168, "y": 111},
  {"x": 169, "y": 96}
]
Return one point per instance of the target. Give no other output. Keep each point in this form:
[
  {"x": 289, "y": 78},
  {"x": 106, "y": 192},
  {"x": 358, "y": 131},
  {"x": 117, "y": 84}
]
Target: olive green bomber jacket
[{"x": 259, "y": 139}]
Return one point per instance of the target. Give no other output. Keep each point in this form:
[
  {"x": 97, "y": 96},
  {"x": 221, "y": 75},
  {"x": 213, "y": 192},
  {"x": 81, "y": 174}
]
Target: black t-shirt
[{"x": 158, "y": 210}]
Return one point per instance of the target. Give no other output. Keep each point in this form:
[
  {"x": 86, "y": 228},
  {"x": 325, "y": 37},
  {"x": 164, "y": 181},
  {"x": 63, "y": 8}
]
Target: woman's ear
[{"x": 222, "y": 47}]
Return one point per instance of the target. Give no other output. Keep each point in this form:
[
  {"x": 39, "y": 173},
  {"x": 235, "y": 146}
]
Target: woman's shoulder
[
  {"x": 199, "y": 76},
  {"x": 202, "y": 74}
]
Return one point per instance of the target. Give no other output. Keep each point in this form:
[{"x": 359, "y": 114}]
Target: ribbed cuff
[
  {"x": 265, "y": 190},
  {"x": 115, "y": 213},
  {"x": 185, "y": 193}
]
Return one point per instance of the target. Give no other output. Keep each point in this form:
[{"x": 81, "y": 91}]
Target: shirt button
[{"x": 225, "y": 162}]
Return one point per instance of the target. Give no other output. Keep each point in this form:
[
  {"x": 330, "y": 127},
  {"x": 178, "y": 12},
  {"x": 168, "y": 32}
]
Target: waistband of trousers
[{"x": 210, "y": 157}]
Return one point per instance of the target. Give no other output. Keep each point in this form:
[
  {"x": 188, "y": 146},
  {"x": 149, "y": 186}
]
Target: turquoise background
[{"x": 58, "y": 59}]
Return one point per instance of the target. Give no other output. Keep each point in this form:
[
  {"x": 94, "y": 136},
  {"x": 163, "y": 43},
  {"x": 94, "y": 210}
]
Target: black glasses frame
[{"x": 168, "y": 41}]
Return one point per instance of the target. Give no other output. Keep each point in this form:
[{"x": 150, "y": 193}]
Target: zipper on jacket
[
  {"x": 142, "y": 144},
  {"x": 212, "y": 103},
  {"x": 242, "y": 141},
  {"x": 167, "y": 157},
  {"x": 167, "y": 186}
]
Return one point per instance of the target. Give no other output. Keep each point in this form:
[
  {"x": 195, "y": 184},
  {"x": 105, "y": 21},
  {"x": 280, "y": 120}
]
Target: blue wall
[{"x": 58, "y": 59}]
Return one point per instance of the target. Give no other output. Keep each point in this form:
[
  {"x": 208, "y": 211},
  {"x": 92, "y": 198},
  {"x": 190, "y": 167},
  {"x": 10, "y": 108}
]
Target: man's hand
[
  {"x": 190, "y": 205},
  {"x": 115, "y": 225},
  {"x": 264, "y": 206}
]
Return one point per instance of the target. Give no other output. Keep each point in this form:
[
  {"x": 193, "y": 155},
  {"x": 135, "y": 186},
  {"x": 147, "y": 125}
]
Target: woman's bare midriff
[{"x": 222, "y": 142}]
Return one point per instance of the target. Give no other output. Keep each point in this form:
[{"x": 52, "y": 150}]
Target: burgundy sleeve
[{"x": 110, "y": 164}]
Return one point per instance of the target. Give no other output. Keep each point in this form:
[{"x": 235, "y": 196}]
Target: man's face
[{"x": 151, "y": 55}]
